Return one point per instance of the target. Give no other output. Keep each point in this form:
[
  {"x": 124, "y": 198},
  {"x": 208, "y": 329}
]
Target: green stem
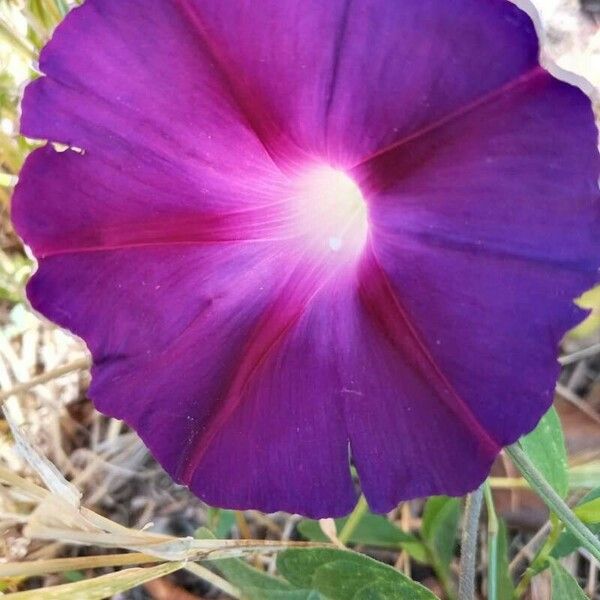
[
  {"x": 552, "y": 500},
  {"x": 443, "y": 576},
  {"x": 539, "y": 562},
  {"x": 354, "y": 519},
  {"x": 441, "y": 571},
  {"x": 492, "y": 530},
  {"x": 468, "y": 546}
]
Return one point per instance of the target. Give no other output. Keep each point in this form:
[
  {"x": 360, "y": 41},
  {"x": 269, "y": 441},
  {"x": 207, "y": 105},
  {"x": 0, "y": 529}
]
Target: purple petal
[
  {"x": 163, "y": 333},
  {"x": 178, "y": 315},
  {"x": 409, "y": 429},
  {"x": 135, "y": 201},
  {"x": 487, "y": 227},
  {"x": 221, "y": 369},
  {"x": 134, "y": 79},
  {"x": 193, "y": 244},
  {"x": 280, "y": 434},
  {"x": 291, "y": 78},
  {"x": 347, "y": 78}
]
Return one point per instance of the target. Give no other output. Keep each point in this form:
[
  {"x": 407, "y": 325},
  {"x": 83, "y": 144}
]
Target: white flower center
[{"x": 332, "y": 210}]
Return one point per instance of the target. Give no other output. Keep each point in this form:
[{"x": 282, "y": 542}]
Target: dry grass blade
[
  {"x": 583, "y": 476},
  {"x": 104, "y": 586},
  {"x": 580, "y": 354},
  {"x": 213, "y": 578},
  {"x": 49, "y": 474},
  {"x": 21, "y": 486},
  {"x": 58, "y": 565},
  {"x": 56, "y": 519},
  {"x": 32, "y": 568},
  {"x": 59, "y": 516},
  {"x": 20, "y": 388}
]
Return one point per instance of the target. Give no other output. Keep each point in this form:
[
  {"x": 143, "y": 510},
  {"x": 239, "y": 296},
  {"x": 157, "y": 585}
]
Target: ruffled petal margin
[{"x": 253, "y": 370}]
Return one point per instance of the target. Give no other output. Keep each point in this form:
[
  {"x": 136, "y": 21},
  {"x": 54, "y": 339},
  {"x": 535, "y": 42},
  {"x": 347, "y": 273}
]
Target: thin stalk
[
  {"x": 20, "y": 388},
  {"x": 540, "y": 560},
  {"x": 33, "y": 568},
  {"x": 492, "y": 543},
  {"x": 468, "y": 546},
  {"x": 508, "y": 483},
  {"x": 214, "y": 579},
  {"x": 242, "y": 525},
  {"x": 552, "y": 500},
  {"x": 354, "y": 519},
  {"x": 533, "y": 545},
  {"x": 443, "y": 576}
]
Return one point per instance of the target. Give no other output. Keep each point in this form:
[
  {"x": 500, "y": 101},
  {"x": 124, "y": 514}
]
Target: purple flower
[{"x": 304, "y": 232}]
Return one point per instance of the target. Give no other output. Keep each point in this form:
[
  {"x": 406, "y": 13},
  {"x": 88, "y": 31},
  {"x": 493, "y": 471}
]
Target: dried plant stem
[
  {"x": 508, "y": 483},
  {"x": 529, "y": 548},
  {"x": 579, "y": 354},
  {"x": 20, "y": 388},
  {"x": 213, "y": 579},
  {"x": 468, "y": 546},
  {"x": 242, "y": 525},
  {"x": 32, "y": 568},
  {"x": 552, "y": 500}
]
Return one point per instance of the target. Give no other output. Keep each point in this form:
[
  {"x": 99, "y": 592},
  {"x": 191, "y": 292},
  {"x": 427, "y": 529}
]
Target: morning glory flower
[{"x": 299, "y": 235}]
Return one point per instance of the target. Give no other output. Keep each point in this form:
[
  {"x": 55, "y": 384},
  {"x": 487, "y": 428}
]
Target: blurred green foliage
[
  {"x": 343, "y": 575},
  {"x": 564, "y": 586},
  {"x": 568, "y": 543},
  {"x": 372, "y": 530},
  {"x": 504, "y": 585},
  {"x": 545, "y": 446},
  {"x": 320, "y": 574},
  {"x": 589, "y": 301},
  {"x": 25, "y": 26}
]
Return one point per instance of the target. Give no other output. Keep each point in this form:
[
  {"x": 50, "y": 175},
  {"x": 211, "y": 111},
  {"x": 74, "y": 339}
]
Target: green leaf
[
  {"x": 567, "y": 542},
  {"x": 346, "y": 575},
  {"x": 504, "y": 583},
  {"x": 439, "y": 530},
  {"x": 220, "y": 521},
  {"x": 589, "y": 512},
  {"x": 380, "y": 590},
  {"x": 591, "y": 301},
  {"x": 372, "y": 530},
  {"x": 585, "y": 475},
  {"x": 251, "y": 593},
  {"x": 564, "y": 586},
  {"x": 440, "y": 525},
  {"x": 545, "y": 447},
  {"x": 255, "y": 584},
  {"x": 245, "y": 577}
]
